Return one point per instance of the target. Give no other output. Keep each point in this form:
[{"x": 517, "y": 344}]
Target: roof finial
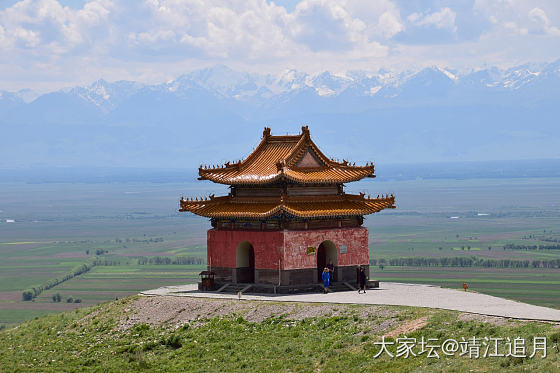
[
  {"x": 305, "y": 130},
  {"x": 266, "y": 132}
]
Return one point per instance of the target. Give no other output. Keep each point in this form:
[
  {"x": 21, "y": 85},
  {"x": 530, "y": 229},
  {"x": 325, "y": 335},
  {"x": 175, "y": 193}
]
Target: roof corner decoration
[{"x": 266, "y": 132}]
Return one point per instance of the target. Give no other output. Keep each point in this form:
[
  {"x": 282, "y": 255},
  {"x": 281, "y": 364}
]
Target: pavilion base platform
[{"x": 252, "y": 288}]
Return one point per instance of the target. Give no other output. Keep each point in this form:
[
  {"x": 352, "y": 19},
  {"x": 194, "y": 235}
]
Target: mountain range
[{"x": 216, "y": 114}]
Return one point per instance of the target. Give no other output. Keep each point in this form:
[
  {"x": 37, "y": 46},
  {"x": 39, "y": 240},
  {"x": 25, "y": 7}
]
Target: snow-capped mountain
[
  {"x": 429, "y": 115},
  {"x": 227, "y": 84},
  {"x": 107, "y": 96}
]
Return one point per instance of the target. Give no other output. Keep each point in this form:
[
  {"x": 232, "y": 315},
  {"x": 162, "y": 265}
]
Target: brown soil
[
  {"x": 71, "y": 255},
  {"x": 10, "y": 295},
  {"x": 408, "y": 327},
  {"x": 483, "y": 318}
]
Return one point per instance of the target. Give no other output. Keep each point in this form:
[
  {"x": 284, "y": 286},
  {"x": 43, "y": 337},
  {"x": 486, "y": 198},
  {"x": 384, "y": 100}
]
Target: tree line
[
  {"x": 472, "y": 261},
  {"x": 511, "y": 246},
  {"x": 107, "y": 262},
  {"x": 31, "y": 293},
  {"x": 170, "y": 260}
]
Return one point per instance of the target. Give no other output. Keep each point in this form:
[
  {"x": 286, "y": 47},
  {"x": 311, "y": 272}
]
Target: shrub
[
  {"x": 69, "y": 300},
  {"x": 77, "y": 300},
  {"x": 173, "y": 341},
  {"x": 27, "y": 295}
]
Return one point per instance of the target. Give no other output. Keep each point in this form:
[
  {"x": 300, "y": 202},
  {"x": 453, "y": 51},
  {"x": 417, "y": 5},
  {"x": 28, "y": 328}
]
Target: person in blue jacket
[{"x": 325, "y": 276}]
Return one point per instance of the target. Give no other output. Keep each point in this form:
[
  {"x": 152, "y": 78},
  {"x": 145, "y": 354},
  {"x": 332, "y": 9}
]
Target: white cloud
[
  {"x": 47, "y": 24},
  {"x": 28, "y": 38},
  {"x": 542, "y": 23},
  {"x": 443, "y": 19},
  {"x": 389, "y": 24},
  {"x": 521, "y": 17},
  {"x": 43, "y": 41}
]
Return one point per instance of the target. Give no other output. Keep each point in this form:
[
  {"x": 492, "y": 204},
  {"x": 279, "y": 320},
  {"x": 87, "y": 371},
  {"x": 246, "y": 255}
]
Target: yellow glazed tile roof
[{"x": 295, "y": 158}]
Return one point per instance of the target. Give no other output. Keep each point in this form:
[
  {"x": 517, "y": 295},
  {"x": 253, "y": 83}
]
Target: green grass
[
  {"x": 8, "y": 316},
  {"x": 88, "y": 340}
]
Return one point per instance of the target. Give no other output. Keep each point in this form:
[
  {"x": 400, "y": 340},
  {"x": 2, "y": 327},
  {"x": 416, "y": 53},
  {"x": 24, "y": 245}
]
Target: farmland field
[{"x": 57, "y": 227}]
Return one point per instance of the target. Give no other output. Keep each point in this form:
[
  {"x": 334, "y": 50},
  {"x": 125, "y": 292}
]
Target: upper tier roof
[{"x": 295, "y": 158}]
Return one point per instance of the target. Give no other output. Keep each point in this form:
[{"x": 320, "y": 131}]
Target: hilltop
[{"x": 190, "y": 334}]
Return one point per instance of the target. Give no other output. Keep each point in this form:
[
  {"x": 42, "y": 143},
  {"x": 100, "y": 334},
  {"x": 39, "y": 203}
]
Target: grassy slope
[{"x": 87, "y": 340}]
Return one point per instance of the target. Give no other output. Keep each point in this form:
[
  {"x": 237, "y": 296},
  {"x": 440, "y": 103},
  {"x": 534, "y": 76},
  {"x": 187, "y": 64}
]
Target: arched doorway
[
  {"x": 245, "y": 263},
  {"x": 325, "y": 252}
]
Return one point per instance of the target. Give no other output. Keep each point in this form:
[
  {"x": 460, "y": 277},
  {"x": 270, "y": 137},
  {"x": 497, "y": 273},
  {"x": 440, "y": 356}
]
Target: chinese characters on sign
[{"x": 473, "y": 347}]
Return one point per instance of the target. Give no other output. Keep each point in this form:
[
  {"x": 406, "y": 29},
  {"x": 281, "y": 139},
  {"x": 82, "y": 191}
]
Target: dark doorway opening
[
  {"x": 245, "y": 263},
  {"x": 325, "y": 252}
]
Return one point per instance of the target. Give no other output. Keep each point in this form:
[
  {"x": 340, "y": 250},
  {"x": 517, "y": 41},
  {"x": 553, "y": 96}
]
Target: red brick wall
[
  {"x": 222, "y": 246},
  {"x": 356, "y": 239},
  {"x": 292, "y": 245}
]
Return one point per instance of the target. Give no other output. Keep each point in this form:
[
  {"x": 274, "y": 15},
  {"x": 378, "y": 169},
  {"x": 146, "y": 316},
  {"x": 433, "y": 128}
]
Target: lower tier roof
[{"x": 300, "y": 206}]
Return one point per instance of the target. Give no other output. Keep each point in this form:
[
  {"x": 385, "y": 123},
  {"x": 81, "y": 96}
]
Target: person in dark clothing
[
  {"x": 330, "y": 266},
  {"x": 326, "y": 280},
  {"x": 363, "y": 280}
]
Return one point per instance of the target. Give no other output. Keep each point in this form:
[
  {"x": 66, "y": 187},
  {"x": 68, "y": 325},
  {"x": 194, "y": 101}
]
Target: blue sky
[{"x": 49, "y": 44}]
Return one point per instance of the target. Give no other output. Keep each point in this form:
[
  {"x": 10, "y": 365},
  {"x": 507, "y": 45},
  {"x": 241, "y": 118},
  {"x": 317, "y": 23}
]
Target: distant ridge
[{"x": 433, "y": 115}]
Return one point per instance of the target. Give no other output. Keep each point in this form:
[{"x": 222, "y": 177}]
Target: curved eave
[
  {"x": 327, "y": 176},
  {"x": 226, "y": 208}
]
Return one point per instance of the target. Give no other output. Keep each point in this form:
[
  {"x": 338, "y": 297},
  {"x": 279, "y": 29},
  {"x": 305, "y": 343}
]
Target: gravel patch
[{"x": 173, "y": 312}]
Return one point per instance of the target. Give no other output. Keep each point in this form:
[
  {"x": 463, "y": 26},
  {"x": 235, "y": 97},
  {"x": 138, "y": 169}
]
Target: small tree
[
  {"x": 69, "y": 300},
  {"x": 27, "y": 295}
]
